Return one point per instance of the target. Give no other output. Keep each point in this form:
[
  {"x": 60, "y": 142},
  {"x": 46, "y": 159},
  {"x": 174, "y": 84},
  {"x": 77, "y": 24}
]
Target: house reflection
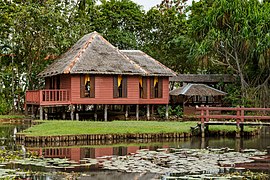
[{"x": 78, "y": 153}]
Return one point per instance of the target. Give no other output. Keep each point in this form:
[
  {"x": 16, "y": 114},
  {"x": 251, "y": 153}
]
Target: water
[{"x": 79, "y": 153}]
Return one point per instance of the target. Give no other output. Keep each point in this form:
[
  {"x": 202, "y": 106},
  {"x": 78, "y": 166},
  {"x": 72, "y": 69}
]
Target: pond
[{"x": 140, "y": 159}]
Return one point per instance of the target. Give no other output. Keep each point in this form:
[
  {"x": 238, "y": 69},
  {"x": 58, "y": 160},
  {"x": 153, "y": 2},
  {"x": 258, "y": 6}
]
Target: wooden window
[
  {"x": 119, "y": 86},
  {"x": 156, "y": 87},
  {"x": 87, "y": 86},
  {"x": 143, "y": 87},
  {"x": 52, "y": 82}
]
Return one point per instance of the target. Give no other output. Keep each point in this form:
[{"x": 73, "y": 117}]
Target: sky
[{"x": 147, "y": 4}]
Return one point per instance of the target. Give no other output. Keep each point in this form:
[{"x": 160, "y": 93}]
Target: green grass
[
  {"x": 229, "y": 128},
  {"x": 50, "y": 128},
  {"x": 11, "y": 116}
]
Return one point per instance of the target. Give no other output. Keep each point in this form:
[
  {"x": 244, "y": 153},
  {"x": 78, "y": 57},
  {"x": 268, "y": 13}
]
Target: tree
[
  {"x": 234, "y": 34},
  {"x": 165, "y": 37},
  {"x": 120, "y": 21}
]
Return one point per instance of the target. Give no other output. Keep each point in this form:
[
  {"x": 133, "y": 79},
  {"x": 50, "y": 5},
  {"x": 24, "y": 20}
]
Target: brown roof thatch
[
  {"x": 203, "y": 78},
  {"x": 92, "y": 54},
  {"x": 197, "y": 90},
  {"x": 149, "y": 64}
]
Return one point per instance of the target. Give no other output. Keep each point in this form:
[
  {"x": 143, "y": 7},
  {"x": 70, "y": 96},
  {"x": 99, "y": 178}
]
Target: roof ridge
[{"x": 79, "y": 54}]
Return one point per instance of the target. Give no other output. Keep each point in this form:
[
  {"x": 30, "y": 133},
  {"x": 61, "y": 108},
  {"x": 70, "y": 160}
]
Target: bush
[
  {"x": 177, "y": 111},
  {"x": 4, "y": 106}
]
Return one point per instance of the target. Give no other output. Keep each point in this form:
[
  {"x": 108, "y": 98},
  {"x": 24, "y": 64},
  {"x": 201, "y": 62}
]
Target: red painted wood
[
  {"x": 240, "y": 113},
  {"x": 70, "y": 92},
  {"x": 104, "y": 92}
]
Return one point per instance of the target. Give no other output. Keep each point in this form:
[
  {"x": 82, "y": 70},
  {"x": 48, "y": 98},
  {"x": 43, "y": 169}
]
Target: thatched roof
[
  {"x": 203, "y": 78},
  {"x": 149, "y": 64},
  {"x": 92, "y": 54},
  {"x": 197, "y": 90}
]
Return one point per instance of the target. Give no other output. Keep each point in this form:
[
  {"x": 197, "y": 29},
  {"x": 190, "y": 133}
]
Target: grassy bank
[
  {"x": 11, "y": 117},
  {"x": 51, "y": 128}
]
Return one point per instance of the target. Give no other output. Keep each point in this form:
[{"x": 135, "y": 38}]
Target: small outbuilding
[{"x": 192, "y": 95}]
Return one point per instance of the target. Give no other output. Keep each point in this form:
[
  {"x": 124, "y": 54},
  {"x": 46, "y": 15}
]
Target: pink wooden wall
[{"x": 104, "y": 91}]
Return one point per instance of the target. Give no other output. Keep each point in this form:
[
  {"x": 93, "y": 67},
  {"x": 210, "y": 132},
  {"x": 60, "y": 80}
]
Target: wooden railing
[
  {"x": 58, "y": 95},
  {"x": 240, "y": 114},
  {"x": 32, "y": 97},
  {"x": 53, "y": 96}
]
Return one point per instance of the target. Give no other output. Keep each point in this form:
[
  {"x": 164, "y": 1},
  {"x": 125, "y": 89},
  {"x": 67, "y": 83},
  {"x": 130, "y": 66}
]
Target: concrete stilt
[
  {"x": 26, "y": 110},
  {"x": 126, "y": 114},
  {"x": 72, "y": 112},
  {"x": 167, "y": 112},
  {"x": 46, "y": 116},
  {"x": 95, "y": 112},
  {"x": 137, "y": 112},
  {"x": 77, "y": 117},
  {"x": 148, "y": 111},
  {"x": 40, "y": 112},
  {"x": 105, "y": 112}
]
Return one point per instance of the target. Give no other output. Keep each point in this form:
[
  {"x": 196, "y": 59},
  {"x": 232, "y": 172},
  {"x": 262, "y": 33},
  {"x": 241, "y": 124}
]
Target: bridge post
[
  {"x": 242, "y": 120},
  {"x": 238, "y": 118},
  {"x": 202, "y": 121}
]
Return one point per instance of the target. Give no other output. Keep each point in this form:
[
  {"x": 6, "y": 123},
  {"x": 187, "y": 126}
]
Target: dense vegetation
[{"x": 211, "y": 36}]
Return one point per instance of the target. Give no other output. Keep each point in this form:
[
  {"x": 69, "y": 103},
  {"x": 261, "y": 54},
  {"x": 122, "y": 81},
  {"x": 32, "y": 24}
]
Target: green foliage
[
  {"x": 176, "y": 111},
  {"x": 4, "y": 106}
]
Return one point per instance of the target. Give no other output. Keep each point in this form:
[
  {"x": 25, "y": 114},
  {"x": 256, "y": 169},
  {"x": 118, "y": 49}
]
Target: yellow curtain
[
  {"x": 155, "y": 81},
  {"x": 119, "y": 80},
  {"x": 86, "y": 78},
  {"x": 140, "y": 81}
]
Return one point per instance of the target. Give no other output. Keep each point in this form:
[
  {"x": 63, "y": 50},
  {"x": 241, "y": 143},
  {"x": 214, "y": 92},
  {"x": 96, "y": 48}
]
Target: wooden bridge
[{"x": 241, "y": 115}]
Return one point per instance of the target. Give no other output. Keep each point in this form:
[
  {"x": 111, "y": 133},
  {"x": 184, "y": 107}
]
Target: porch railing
[{"x": 53, "y": 96}]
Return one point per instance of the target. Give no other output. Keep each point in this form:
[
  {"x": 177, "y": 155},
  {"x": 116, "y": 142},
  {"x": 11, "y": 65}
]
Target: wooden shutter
[
  {"x": 124, "y": 87},
  {"x": 82, "y": 86},
  {"x": 152, "y": 88},
  {"x": 144, "y": 86},
  {"x": 47, "y": 82},
  {"x": 160, "y": 87},
  {"x": 115, "y": 86},
  {"x": 92, "y": 86}
]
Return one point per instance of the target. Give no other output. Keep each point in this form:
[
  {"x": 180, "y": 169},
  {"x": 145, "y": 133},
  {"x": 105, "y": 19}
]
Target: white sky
[{"x": 147, "y": 4}]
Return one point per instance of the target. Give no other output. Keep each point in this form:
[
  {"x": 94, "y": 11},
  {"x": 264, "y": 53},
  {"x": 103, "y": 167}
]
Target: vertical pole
[
  {"x": 238, "y": 122},
  {"x": 40, "y": 112},
  {"x": 71, "y": 112},
  {"x": 202, "y": 121},
  {"x": 105, "y": 112},
  {"x": 77, "y": 117},
  {"x": 148, "y": 112},
  {"x": 137, "y": 112},
  {"x": 95, "y": 112},
  {"x": 26, "y": 110},
  {"x": 167, "y": 112},
  {"x": 32, "y": 111},
  {"x": 126, "y": 114}
]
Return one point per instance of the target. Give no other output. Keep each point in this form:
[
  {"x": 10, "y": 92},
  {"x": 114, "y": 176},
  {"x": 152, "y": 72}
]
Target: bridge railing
[{"x": 240, "y": 114}]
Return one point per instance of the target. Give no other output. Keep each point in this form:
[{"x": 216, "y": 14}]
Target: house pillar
[
  {"x": 77, "y": 116},
  {"x": 126, "y": 114},
  {"x": 137, "y": 112},
  {"x": 105, "y": 112},
  {"x": 26, "y": 110},
  {"x": 72, "y": 112},
  {"x": 40, "y": 112},
  {"x": 32, "y": 111},
  {"x": 167, "y": 112},
  {"x": 95, "y": 112},
  {"x": 148, "y": 111},
  {"x": 153, "y": 110}
]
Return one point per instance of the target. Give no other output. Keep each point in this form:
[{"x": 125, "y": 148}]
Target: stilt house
[{"x": 94, "y": 72}]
